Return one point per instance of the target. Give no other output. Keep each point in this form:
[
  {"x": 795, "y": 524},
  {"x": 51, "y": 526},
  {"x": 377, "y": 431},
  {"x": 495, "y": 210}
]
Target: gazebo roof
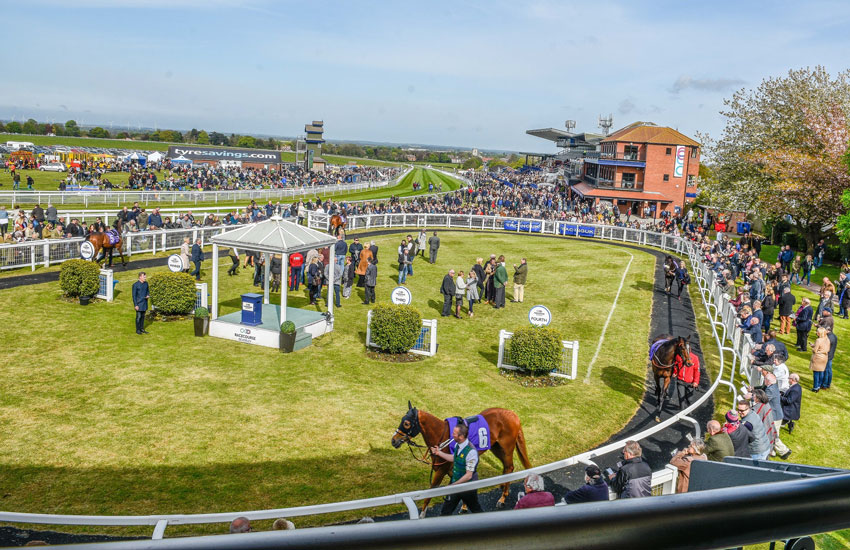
[{"x": 274, "y": 235}]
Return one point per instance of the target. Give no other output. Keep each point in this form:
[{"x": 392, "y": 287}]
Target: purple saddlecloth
[{"x": 479, "y": 433}]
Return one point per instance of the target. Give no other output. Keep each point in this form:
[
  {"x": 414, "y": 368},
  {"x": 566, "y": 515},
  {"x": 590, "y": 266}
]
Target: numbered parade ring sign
[
  {"x": 87, "y": 250},
  {"x": 539, "y": 316},
  {"x": 175, "y": 263},
  {"x": 401, "y": 296}
]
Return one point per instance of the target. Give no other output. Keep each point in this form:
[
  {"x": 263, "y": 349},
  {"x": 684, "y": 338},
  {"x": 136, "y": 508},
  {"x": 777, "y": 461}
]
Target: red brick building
[{"x": 642, "y": 165}]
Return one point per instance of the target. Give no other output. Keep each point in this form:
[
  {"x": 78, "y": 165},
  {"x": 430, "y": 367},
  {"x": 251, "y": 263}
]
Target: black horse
[{"x": 663, "y": 353}]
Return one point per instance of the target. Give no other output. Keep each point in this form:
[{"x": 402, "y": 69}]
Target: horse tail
[{"x": 521, "y": 450}]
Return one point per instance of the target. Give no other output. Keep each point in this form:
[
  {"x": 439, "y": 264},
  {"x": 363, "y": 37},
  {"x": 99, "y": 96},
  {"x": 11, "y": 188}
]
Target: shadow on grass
[
  {"x": 643, "y": 285},
  {"x": 623, "y": 381},
  {"x": 491, "y": 355},
  {"x": 435, "y": 305}
]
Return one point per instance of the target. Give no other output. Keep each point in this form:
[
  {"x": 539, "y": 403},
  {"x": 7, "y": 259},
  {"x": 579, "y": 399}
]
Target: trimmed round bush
[
  {"x": 535, "y": 349},
  {"x": 395, "y": 327},
  {"x": 79, "y": 278},
  {"x": 172, "y": 293}
]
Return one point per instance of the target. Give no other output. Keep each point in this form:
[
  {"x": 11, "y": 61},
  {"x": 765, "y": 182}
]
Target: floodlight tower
[
  {"x": 606, "y": 123},
  {"x": 570, "y": 125}
]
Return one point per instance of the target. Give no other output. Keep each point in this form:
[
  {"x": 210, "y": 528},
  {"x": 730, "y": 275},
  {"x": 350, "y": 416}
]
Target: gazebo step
[{"x": 302, "y": 340}]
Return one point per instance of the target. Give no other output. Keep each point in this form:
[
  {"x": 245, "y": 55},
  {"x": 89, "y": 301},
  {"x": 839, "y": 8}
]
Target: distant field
[{"x": 404, "y": 188}]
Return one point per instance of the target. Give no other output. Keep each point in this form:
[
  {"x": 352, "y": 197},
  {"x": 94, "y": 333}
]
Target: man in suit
[
  {"x": 791, "y": 400},
  {"x": 197, "y": 258},
  {"x": 804, "y": 324},
  {"x": 433, "y": 246},
  {"x": 374, "y": 249},
  {"x": 140, "y": 302},
  {"x": 448, "y": 290},
  {"x": 500, "y": 277},
  {"x": 370, "y": 281},
  {"x": 786, "y": 307}
]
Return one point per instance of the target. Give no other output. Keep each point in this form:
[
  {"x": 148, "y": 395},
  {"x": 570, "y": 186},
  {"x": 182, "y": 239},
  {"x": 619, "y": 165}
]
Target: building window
[
  {"x": 692, "y": 180},
  {"x": 694, "y": 152},
  {"x": 666, "y": 177},
  {"x": 669, "y": 151},
  {"x": 628, "y": 181},
  {"x": 630, "y": 152}
]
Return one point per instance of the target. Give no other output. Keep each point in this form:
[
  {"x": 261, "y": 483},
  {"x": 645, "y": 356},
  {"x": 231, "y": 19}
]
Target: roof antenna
[
  {"x": 606, "y": 123},
  {"x": 570, "y": 124}
]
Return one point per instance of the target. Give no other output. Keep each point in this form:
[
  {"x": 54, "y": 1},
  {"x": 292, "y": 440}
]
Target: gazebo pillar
[
  {"x": 331, "y": 279},
  {"x": 266, "y": 271},
  {"x": 214, "y": 304},
  {"x": 284, "y": 270}
]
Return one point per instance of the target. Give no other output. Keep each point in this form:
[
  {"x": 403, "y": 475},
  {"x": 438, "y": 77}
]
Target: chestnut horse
[
  {"x": 100, "y": 240},
  {"x": 337, "y": 224},
  {"x": 505, "y": 437},
  {"x": 663, "y": 360}
]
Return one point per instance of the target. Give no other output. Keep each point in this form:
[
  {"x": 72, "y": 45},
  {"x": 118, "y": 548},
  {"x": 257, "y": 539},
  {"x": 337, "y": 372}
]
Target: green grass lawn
[
  {"x": 828, "y": 269},
  {"x": 98, "y": 420},
  {"x": 821, "y": 436},
  {"x": 404, "y": 188}
]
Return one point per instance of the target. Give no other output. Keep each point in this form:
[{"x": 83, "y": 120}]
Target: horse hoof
[
  {"x": 422, "y": 514},
  {"x": 500, "y": 504},
  {"x": 658, "y": 419}
]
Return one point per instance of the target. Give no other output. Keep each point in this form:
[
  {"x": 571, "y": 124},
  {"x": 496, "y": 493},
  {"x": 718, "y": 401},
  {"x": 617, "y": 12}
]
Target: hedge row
[
  {"x": 79, "y": 278},
  {"x": 172, "y": 293},
  {"x": 395, "y": 328},
  {"x": 535, "y": 349}
]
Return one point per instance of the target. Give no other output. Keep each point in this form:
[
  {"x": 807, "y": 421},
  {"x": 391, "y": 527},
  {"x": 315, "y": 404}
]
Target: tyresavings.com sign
[{"x": 225, "y": 153}]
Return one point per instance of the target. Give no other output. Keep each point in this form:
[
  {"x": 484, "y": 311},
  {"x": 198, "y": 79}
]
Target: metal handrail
[{"x": 681, "y": 245}]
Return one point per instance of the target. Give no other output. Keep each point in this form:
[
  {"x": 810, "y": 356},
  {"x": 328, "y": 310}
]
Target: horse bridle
[
  {"x": 414, "y": 430},
  {"x": 686, "y": 356}
]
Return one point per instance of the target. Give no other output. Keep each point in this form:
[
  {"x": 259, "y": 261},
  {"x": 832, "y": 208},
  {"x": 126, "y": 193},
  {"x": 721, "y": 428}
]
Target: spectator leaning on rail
[
  {"x": 719, "y": 444},
  {"x": 594, "y": 489},
  {"x": 535, "y": 496},
  {"x": 760, "y": 446},
  {"x": 683, "y": 461},
  {"x": 633, "y": 477}
]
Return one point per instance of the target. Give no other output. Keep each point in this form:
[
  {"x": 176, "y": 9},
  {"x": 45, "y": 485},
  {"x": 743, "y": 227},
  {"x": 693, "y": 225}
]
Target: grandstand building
[
  {"x": 643, "y": 165},
  {"x": 640, "y": 166}
]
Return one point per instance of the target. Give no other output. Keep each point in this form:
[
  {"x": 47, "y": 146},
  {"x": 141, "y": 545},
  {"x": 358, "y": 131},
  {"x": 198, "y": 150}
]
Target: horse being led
[
  {"x": 662, "y": 355},
  {"x": 505, "y": 436},
  {"x": 108, "y": 241}
]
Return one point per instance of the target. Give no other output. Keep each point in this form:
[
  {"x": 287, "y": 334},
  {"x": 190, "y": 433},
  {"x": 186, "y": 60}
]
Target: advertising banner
[
  {"x": 679, "y": 167},
  {"x": 201, "y": 152}
]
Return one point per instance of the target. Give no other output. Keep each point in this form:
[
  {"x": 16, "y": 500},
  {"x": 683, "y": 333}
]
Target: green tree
[
  {"x": 14, "y": 127},
  {"x": 780, "y": 151},
  {"x": 30, "y": 126},
  {"x": 472, "y": 162},
  {"x": 203, "y": 138},
  {"x": 217, "y": 138},
  {"x": 71, "y": 128},
  {"x": 246, "y": 141},
  {"x": 98, "y": 132},
  {"x": 122, "y": 135}
]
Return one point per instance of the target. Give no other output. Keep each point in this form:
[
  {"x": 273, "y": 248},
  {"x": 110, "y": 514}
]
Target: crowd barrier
[
  {"x": 663, "y": 481},
  {"x": 155, "y": 198}
]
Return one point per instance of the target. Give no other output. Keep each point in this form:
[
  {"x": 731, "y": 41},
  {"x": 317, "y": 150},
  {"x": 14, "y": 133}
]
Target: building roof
[
  {"x": 552, "y": 134},
  {"x": 313, "y": 129},
  {"x": 648, "y": 132},
  {"x": 276, "y": 236},
  {"x": 587, "y": 190}
]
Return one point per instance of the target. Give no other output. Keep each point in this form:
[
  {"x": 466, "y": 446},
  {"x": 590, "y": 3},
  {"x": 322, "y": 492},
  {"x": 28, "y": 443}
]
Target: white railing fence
[
  {"x": 426, "y": 342},
  {"x": 566, "y": 368},
  {"x": 714, "y": 308},
  {"x": 106, "y": 287},
  {"x": 156, "y": 198}
]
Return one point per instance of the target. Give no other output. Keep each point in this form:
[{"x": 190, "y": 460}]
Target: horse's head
[
  {"x": 683, "y": 349},
  {"x": 408, "y": 428}
]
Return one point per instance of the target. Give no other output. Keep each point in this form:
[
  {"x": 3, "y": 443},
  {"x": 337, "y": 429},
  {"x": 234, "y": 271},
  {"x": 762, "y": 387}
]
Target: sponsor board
[
  {"x": 198, "y": 152},
  {"x": 175, "y": 263},
  {"x": 539, "y": 316},
  {"x": 87, "y": 250},
  {"x": 679, "y": 166},
  {"x": 401, "y": 296}
]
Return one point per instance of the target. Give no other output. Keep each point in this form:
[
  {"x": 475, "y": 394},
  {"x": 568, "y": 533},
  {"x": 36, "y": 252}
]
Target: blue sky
[{"x": 474, "y": 74}]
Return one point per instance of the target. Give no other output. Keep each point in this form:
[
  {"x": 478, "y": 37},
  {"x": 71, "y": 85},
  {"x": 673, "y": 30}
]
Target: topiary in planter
[
  {"x": 288, "y": 327},
  {"x": 172, "y": 293},
  {"x": 79, "y": 278},
  {"x": 395, "y": 328},
  {"x": 535, "y": 349}
]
